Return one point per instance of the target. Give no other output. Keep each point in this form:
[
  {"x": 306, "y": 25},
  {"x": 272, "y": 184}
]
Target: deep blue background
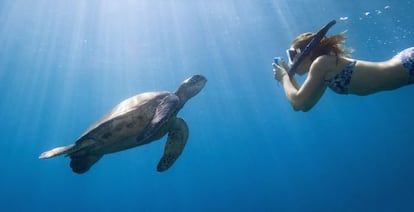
[{"x": 63, "y": 64}]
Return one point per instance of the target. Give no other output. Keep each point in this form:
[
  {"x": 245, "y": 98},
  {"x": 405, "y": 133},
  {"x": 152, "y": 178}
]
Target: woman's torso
[{"x": 364, "y": 77}]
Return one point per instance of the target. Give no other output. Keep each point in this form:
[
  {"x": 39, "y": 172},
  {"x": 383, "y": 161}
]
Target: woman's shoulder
[
  {"x": 329, "y": 64},
  {"x": 328, "y": 60},
  {"x": 324, "y": 63}
]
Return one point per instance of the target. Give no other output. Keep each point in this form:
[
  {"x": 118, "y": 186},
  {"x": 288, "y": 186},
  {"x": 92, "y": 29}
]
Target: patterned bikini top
[{"x": 341, "y": 81}]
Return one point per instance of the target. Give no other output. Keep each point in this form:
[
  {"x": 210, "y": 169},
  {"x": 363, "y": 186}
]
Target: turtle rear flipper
[
  {"x": 81, "y": 164},
  {"x": 56, "y": 152},
  {"x": 177, "y": 138}
]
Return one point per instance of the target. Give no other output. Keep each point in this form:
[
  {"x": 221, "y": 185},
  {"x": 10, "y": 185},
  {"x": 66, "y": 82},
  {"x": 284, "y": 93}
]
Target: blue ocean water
[{"x": 63, "y": 64}]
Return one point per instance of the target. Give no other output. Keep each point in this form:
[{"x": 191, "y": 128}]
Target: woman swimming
[{"x": 327, "y": 65}]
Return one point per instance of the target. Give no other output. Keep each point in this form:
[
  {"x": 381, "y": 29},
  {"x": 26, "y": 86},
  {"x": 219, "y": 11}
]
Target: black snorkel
[{"x": 315, "y": 40}]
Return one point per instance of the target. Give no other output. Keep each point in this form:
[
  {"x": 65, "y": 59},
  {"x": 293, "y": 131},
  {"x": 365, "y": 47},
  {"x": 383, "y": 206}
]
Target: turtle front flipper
[
  {"x": 177, "y": 138},
  {"x": 164, "y": 111}
]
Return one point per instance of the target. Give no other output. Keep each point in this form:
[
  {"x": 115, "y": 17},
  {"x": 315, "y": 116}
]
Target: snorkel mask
[{"x": 296, "y": 56}]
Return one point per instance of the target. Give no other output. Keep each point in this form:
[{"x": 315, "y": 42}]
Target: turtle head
[{"x": 190, "y": 87}]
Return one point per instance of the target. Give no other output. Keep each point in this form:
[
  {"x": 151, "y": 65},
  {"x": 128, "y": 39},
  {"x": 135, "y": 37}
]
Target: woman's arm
[
  {"x": 292, "y": 79},
  {"x": 302, "y": 98},
  {"x": 294, "y": 83}
]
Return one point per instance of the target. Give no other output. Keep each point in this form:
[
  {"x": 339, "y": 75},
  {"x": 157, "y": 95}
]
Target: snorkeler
[{"x": 327, "y": 65}]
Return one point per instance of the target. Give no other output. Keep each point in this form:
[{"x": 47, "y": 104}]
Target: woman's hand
[{"x": 280, "y": 71}]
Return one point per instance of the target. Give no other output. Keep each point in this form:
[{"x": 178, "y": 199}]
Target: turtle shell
[{"x": 118, "y": 129}]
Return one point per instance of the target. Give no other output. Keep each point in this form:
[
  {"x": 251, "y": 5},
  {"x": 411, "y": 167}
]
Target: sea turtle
[{"x": 135, "y": 121}]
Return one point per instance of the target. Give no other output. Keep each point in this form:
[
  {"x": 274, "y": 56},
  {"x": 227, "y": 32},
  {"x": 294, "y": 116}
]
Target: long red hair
[{"x": 327, "y": 46}]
